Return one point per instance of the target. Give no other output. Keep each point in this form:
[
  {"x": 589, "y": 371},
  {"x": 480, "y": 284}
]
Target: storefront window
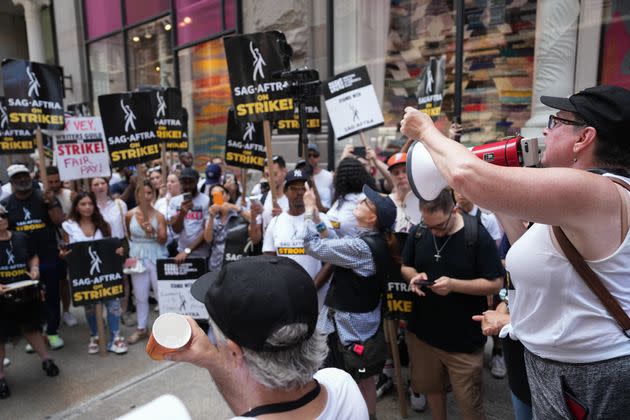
[
  {"x": 150, "y": 54},
  {"x": 497, "y": 68},
  {"x": 205, "y": 87},
  {"x": 102, "y": 17},
  {"x": 615, "y": 53},
  {"x": 137, "y": 11},
  {"x": 197, "y": 19},
  {"x": 106, "y": 67}
]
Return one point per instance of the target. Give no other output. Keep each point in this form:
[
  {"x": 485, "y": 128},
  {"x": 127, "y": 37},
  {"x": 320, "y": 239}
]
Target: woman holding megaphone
[{"x": 577, "y": 350}]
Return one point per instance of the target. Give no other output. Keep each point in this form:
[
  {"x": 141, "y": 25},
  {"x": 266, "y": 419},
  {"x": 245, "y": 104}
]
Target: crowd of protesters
[{"x": 352, "y": 230}]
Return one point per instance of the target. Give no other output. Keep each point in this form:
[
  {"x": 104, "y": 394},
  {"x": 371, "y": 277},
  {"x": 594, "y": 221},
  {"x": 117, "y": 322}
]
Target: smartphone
[
  {"x": 187, "y": 196},
  {"x": 359, "y": 151},
  {"x": 423, "y": 283}
]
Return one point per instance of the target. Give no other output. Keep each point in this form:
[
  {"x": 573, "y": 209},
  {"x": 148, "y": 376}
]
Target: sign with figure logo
[
  {"x": 174, "y": 281},
  {"x": 128, "y": 122},
  {"x": 244, "y": 144},
  {"x": 313, "y": 118},
  {"x": 95, "y": 271},
  {"x": 80, "y": 151},
  {"x": 169, "y": 117},
  {"x": 13, "y": 140},
  {"x": 431, "y": 87},
  {"x": 398, "y": 298},
  {"x": 255, "y": 62},
  {"x": 34, "y": 93},
  {"x": 351, "y": 103}
]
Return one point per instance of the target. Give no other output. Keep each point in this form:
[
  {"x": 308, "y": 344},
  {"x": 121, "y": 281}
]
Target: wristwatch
[{"x": 187, "y": 251}]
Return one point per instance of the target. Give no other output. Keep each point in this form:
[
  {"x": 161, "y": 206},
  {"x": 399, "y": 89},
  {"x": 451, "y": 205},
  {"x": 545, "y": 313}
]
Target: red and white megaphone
[{"x": 427, "y": 182}]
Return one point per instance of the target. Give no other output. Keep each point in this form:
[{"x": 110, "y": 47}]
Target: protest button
[{"x": 171, "y": 332}]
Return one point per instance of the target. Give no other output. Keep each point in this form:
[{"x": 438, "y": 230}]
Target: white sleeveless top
[{"x": 554, "y": 313}]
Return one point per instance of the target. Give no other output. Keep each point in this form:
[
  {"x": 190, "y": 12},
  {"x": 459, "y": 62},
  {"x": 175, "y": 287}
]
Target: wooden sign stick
[
  {"x": 100, "y": 327},
  {"x": 164, "y": 163},
  {"x": 363, "y": 140},
  {"x": 390, "y": 328},
  {"x": 267, "y": 134},
  {"x": 42, "y": 158}
]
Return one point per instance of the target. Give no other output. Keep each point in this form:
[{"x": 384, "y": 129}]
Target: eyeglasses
[
  {"x": 4, "y": 215},
  {"x": 554, "y": 121},
  {"x": 440, "y": 226}
]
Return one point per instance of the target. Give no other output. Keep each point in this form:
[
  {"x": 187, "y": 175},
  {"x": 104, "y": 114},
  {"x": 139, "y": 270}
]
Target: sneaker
[
  {"x": 55, "y": 342},
  {"x": 93, "y": 347},
  {"x": 137, "y": 336},
  {"x": 118, "y": 346},
  {"x": 28, "y": 348},
  {"x": 418, "y": 401},
  {"x": 50, "y": 367},
  {"x": 497, "y": 366},
  {"x": 127, "y": 319},
  {"x": 6, "y": 362},
  {"x": 69, "y": 319},
  {"x": 383, "y": 385},
  {"x": 5, "y": 392}
]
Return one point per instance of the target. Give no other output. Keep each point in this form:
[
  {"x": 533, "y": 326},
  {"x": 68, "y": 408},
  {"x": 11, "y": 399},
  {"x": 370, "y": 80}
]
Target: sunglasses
[
  {"x": 554, "y": 121},
  {"x": 4, "y": 215}
]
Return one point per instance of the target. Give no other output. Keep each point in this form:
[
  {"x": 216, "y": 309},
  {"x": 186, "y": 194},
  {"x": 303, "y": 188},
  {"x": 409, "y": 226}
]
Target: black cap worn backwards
[
  {"x": 252, "y": 298},
  {"x": 385, "y": 208},
  {"x": 607, "y": 108}
]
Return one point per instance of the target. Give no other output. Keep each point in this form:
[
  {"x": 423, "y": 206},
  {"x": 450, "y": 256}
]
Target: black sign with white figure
[
  {"x": 313, "y": 118},
  {"x": 34, "y": 94},
  {"x": 95, "y": 271},
  {"x": 431, "y": 87},
  {"x": 255, "y": 62},
  {"x": 13, "y": 140},
  {"x": 244, "y": 144},
  {"x": 128, "y": 122},
  {"x": 351, "y": 103},
  {"x": 168, "y": 112}
]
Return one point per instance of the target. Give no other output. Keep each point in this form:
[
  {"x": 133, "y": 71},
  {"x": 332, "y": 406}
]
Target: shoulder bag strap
[{"x": 588, "y": 275}]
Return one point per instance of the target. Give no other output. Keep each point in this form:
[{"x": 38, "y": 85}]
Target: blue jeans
[
  {"x": 522, "y": 411},
  {"x": 113, "y": 318}
]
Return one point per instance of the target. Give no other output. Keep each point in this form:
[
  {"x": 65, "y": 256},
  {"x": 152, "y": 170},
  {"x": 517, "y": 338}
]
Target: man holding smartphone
[
  {"x": 191, "y": 213},
  {"x": 452, "y": 264}
]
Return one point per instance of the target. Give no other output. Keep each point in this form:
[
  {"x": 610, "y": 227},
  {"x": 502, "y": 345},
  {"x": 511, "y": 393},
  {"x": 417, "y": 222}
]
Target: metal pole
[
  {"x": 459, "y": 59},
  {"x": 330, "y": 43}
]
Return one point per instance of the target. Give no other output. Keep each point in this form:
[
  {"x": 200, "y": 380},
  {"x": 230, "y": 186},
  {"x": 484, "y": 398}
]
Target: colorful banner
[
  {"x": 128, "y": 121},
  {"x": 34, "y": 94},
  {"x": 13, "y": 140},
  {"x": 95, "y": 271},
  {"x": 255, "y": 62},
  {"x": 244, "y": 144},
  {"x": 80, "y": 151},
  {"x": 313, "y": 118},
  {"x": 431, "y": 87},
  {"x": 174, "y": 281},
  {"x": 351, "y": 103}
]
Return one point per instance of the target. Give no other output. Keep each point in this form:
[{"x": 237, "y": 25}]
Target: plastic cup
[
  {"x": 217, "y": 197},
  {"x": 171, "y": 332}
]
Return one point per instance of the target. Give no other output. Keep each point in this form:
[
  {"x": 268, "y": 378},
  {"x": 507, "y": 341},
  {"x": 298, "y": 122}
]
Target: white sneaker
[
  {"x": 69, "y": 319},
  {"x": 118, "y": 346},
  {"x": 418, "y": 401},
  {"x": 497, "y": 367},
  {"x": 6, "y": 362},
  {"x": 93, "y": 346}
]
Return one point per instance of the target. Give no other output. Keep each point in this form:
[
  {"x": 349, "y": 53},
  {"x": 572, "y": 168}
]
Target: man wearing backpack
[{"x": 451, "y": 263}]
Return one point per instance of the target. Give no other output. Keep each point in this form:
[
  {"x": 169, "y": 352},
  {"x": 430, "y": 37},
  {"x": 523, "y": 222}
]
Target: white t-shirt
[
  {"x": 490, "y": 222},
  {"x": 344, "y": 401},
  {"x": 6, "y": 191},
  {"x": 324, "y": 182},
  {"x": 65, "y": 199},
  {"x": 407, "y": 213},
  {"x": 341, "y": 217},
  {"x": 283, "y": 202},
  {"x": 114, "y": 213},
  {"x": 285, "y": 237},
  {"x": 194, "y": 223}
]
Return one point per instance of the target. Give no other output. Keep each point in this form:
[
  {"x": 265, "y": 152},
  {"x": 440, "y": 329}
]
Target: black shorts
[{"x": 17, "y": 318}]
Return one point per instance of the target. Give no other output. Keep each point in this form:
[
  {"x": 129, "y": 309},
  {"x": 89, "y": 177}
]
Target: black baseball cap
[
  {"x": 189, "y": 173},
  {"x": 295, "y": 176},
  {"x": 385, "y": 208},
  {"x": 252, "y": 298},
  {"x": 607, "y": 108}
]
